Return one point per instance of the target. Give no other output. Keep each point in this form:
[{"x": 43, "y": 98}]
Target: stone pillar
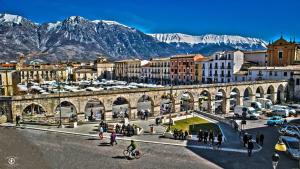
[
  {"x": 226, "y": 105},
  {"x": 156, "y": 111},
  {"x": 240, "y": 100},
  {"x": 108, "y": 115},
  {"x": 274, "y": 97},
  {"x": 252, "y": 97},
  {"x": 211, "y": 105},
  {"x": 133, "y": 113},
  {"x": 177, "y": 108}
]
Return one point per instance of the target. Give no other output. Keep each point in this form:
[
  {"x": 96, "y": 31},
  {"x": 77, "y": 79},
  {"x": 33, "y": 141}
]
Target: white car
[
  {"x": 290, "y": 110},
  {"x": 250, "y": 112},
  {"x": 280, "y": 112}
]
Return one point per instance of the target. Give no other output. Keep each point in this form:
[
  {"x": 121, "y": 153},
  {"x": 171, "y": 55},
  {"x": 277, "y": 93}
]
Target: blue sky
[{"x": 256, "y": 18}]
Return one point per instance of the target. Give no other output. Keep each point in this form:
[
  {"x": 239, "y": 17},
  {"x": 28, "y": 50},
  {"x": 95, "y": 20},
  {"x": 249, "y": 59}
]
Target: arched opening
[
  {"x": 67, "y": 109},
  {"x": 234, "y": 98},
  {"x": 33, "y": 110},
  {"x": 145, "y": 107},
  {"x": 270, "y": 93},
  {"x": 259, "y": 92},
  {"x": 204, "y": 101},
  {"x": 220, "y": 101},
  {"x": 167, "y": 104},
  {"x": 186, "y": 101},
  {"x": 281, "y": 94},
  {"x": 120, "y": 108},
  {"x": 248, "y": 94},
  {"x": 94, "y": 110}
]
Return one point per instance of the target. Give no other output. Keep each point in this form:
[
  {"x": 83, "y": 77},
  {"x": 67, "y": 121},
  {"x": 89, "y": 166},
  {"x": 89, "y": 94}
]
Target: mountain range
[{"x": 77, "y": 39}]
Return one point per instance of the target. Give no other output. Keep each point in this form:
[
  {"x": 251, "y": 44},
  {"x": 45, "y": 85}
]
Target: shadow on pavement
[
  {"x": 120, "y": 157},
  {"x": 104, "y": 144}
]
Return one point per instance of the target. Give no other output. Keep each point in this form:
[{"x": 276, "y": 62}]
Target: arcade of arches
[{"x": 136, "y": 103}]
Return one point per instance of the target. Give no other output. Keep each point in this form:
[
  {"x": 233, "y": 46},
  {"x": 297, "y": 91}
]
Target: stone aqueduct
[{"x": 50, "y": 102}]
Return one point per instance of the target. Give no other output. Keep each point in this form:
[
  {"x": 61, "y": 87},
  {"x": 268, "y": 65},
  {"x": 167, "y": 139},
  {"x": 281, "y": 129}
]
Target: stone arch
[
  {"x": 76, "y": 109},
  {"x": 67, "y": 109},
  {"x": 281, "y": 94},
  {"x": 143, "y": 106},
  {"x": 121, "y": 108},
  {"x": 94, "y": 109},
  {"x": 167, "y": 104},
  {"x": 204, "y": 101},
  {"x": 259, "y": 92},
  {"x": 220, "y": 101},
  {"x": 186, "y": 101},
  {"x": 235, "y": 98},
  {"x": 248, "y": 94},
  {"x": 33, "y": 109},
  {"x": 271, "y": 93}
]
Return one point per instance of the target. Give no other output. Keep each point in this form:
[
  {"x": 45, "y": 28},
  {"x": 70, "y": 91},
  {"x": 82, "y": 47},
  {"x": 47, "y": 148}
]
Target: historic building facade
[
  {"x": 283, "y": 53},
  {"x": 183, "y": 68}
]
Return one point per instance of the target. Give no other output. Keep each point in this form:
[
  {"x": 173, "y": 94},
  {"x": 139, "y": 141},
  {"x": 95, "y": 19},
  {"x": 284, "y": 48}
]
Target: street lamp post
[{"x": 60, "y": 119}]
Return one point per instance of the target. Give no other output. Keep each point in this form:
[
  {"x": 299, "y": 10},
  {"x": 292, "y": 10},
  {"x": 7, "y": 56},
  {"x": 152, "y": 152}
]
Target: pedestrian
[
  {"x": 211, "y": 137},
  {"x": 205, "y": 136},
  {"x": 200, "y": 135},
  {"x": 220, "y": 139},
  {"x": 100, "y": 132},
  {"x": 261, "y": 138},
  {"x": 186, "y": 134},
  {"x": 175, "y": 134},
  {"x": 123, "y": 129},
  {"x": 18, "y": 118},
  {"x": 257, "y": 137},
  {"x": 275, "y": 159},
  {"x": 113, "y": 138},
  {"x": 245, "y": 139},
  {"x": 117, "y": 128},
  {"x": 250, "y": 147}
]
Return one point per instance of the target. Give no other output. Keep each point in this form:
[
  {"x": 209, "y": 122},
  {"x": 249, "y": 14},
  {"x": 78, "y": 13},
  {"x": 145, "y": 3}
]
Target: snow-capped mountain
[
  {"x": 77, "y": 38},
  {"x": 207, "y": 39}
]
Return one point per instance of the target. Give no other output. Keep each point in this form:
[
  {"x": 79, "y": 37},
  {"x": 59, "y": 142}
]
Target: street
[
  {"x": 43, "y": 149},
  {"x": 38, "y": 149}
]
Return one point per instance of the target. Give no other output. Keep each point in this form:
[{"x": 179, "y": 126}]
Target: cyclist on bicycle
[{"x": 132, "y": 147}]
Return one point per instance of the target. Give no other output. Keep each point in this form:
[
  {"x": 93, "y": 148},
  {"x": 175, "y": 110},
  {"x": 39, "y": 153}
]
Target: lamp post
[{"x": 60, "y": 120}]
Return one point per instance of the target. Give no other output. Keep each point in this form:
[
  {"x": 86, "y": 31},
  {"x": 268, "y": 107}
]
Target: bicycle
[{"x": 130, "y": 155}]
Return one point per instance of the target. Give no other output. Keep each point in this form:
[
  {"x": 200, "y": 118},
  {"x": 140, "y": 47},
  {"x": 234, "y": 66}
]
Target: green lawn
[{"x": 194, "y": 124}]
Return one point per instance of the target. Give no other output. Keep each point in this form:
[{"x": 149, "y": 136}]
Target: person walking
[
  {"x": 220, "y": 139},
  {"x": 245, "y": 139},
  {"x": 18, "y": 118},
  {"x": 257, "y": 138},
  {"x": 261, "y": 138},
  {"x": 211, "y": 137},
  {"x": 205, "y": 136},
  {"x": 186, "y": 134},
  {"x": 113, "y": 138},
  {"x": 275, "y": 159},
  {"x": 100, "y": 132},
  {"x": 250, "y": 147},
  {"x": 200, "y": 136}
]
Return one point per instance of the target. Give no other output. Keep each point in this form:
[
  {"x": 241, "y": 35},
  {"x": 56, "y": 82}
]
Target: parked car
[
  {"x": 292, "y": 146},
  {"x": 280, "y": 112},
  {"x": 256, "y": 105},
  {"x": 290, "y": 110},
  {"x": 250, "y": 112},
  {"x": 289, "y": 131},
  {"x": 296, "y": 107},
  {"x": 275, "y": 120},
  {"x": 265, "y": 103}
]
